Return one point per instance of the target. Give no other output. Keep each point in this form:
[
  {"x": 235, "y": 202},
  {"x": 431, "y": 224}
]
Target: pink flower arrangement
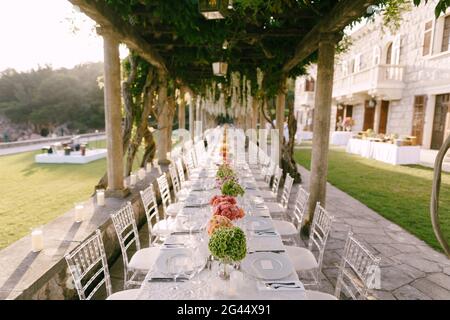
[
  {"x": 231, "y": 211},
  {"x": 216, "y": 200}
]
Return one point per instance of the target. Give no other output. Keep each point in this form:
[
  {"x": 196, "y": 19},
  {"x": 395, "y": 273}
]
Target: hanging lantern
[
  {"x": 220, "y": 68},
  {"x": 213, "y": 9}
]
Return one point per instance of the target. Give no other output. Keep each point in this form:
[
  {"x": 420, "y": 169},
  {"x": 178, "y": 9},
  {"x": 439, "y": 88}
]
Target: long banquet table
[
  {"x": 207, "y": 284},
  {"x": 385, "y": 152}
]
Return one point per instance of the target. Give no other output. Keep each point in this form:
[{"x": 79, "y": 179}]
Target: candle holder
[
  {"x": 79, "y": 212},
  {"x": 37, "y": 239},
  {"x": 133, "y": 179},
  {"x": 141, "y": 174},
  {"x": 101, "y": 197}
]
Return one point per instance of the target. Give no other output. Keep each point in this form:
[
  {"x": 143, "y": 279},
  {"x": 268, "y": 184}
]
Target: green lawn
[
  {"x": 34, "y": 194},
  {"x": 399, "y": 193}
]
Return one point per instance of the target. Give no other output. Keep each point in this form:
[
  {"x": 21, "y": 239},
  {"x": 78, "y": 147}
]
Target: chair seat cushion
[
  {"x": 124, "y": 295},
  {"x": 174, "y": 208},
  {"x": 301, "y": 258},
  {"x": 275, "y": 207},
  {"x": 144, "y": 259},
  {"x": 317, "y": 295},
  {"x": 284, "y": 228}
]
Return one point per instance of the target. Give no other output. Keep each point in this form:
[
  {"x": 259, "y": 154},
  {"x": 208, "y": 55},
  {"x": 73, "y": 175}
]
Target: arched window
[
  {"x": 376, "y": 55},
  {"x": 309, "y": 85},
  {"x": 389, "y": 53}
]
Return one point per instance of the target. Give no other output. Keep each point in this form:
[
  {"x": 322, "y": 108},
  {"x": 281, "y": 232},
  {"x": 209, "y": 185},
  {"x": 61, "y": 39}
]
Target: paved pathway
[{"x": 410, "y": 269}]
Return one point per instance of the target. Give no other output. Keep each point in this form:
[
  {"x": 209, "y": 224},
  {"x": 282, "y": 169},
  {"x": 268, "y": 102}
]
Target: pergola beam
[
  {"x": 125, "y": 33},
  {"x": 344, "y": 13}
]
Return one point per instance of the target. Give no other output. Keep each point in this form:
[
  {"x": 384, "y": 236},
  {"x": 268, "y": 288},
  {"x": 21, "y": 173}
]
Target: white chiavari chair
[
  {"x": 157, "y": 228},
  {"x": 143, "y": 259},
  {"x": 303, "y": 259},
  {"x": 179, "y": 193},
  {"x": 280, "y": 208},
  {"x": 89, "y": 269},
  {"x": 272, "y": 194},
  {"x": 290, "y": 230},
  {"x": 170, "y": 209},
  {"x": 180, "y": 168},
  {"x": 358, "y": 273}
]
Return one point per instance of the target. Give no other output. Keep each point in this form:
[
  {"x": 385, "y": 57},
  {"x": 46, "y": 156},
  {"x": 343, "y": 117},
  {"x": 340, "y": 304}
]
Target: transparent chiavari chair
[
  {"x": 170, "y": 209},
  {"x": 358, "y": 273},
  {"x": 290, "y": 230},
  {"x": 157, "y": 228},
  {"x": 179, "y": 193},
  {"x": 304, "y": 260},
  {"x": 135, "y": 267},
  {"x": 280, "y": 208},
  {"x": 180, "y": 168},
  {"x": 272, "y": 194},
  {"x": 89, "y": 269}
]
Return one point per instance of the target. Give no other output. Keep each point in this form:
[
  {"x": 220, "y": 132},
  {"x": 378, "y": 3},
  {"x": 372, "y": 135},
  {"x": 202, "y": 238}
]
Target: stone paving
[{"x": 410, "y": 269}]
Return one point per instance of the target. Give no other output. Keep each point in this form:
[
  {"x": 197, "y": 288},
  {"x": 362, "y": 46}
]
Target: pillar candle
[
  {"x": 79, "y": 213},
  {"x": 37, "y": 240},
  {"x": 149, "y": 167},
  {"x": 141, "y": 174},
  {"x": 133, "y": 179},
  {"x": 101, "y": 198}
]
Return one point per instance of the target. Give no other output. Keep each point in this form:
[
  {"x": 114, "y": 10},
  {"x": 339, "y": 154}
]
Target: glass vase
[{"x": 225, "y": 269}]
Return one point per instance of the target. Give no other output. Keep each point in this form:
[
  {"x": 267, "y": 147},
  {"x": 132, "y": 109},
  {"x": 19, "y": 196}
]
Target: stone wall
[{"x": 44, "y": 275}]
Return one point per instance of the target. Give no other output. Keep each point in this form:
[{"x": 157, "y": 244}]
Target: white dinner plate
[
  {"x": 183, "y": 256},
  {"x": 258, "y": 224},
  {"x": 267, "y": 265}
]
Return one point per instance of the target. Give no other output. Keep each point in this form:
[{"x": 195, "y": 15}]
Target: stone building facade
[{"x": 393, "y": 83}]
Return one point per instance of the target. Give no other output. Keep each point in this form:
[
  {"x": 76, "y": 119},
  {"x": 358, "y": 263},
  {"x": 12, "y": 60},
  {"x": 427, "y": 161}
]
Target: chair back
[
  {"x": 164, "y": 190},
  {"x": 174, "y": 178},
  {"x": 276, "y": 180},
  {"x": 126, "y": 230},
  {"x": 180, "y": 169},
  {"x": 320, "y": 230},
  {"x": 359, "y": 270},
  {"x": 151, "y": 210},
  {"x": 301, "y": 203},
  {"x": 89, "y": 268},
  {"x": 189, "y": 163},
  {"x": 289, "y": 181}
]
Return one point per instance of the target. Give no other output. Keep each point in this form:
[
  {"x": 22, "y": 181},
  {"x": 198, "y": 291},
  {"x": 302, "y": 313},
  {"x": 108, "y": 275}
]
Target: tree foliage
[{"x": 48, "y": 98}]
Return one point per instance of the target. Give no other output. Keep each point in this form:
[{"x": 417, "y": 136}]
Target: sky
[{"x": 40, "y": 32}]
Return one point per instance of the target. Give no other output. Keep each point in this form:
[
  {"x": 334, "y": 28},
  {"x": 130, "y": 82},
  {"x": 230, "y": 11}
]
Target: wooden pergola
[{"x": 314, "y": 31}]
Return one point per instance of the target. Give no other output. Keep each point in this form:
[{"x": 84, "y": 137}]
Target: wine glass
[{"x": 175, "y": 269}]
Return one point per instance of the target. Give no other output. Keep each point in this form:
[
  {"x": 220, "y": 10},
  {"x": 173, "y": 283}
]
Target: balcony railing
[
  {"x": 305, "y": 98},
  {"x": 385, "y": 81}
]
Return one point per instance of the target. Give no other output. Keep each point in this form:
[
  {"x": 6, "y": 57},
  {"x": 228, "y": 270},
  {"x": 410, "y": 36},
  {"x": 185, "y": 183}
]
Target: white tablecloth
[
  {"x": 208, "y": 285},
  {"x": 341, "y": 138},
  {"x": 303, "y": 135},
  {"x": 384, "y": 152}
]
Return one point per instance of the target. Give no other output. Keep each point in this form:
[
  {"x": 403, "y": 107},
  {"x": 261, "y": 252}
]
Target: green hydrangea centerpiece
[{"x": 228, "y": 244}]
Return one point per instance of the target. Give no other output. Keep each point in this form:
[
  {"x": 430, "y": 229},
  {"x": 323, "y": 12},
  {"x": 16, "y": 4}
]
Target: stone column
[
  {"x": 321, "y": 131},
  {"x": 192, "y": 116},
  {"x": 255, "y": 113},
  {"x": 281, "y": 102},
  {"x": 163, "y": 121},
  {"x": 182, "y": 110},
  {"x": 113, "y": 116}
]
